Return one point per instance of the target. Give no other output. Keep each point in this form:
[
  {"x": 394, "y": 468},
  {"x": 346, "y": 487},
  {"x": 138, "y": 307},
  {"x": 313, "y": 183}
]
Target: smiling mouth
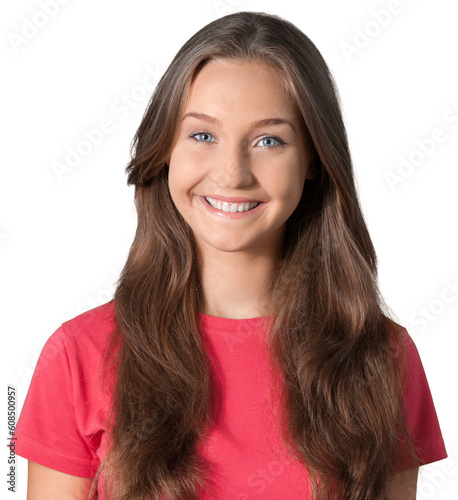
[{"x": 231, "y": 207}]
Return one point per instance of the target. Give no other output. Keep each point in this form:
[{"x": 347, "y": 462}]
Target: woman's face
[{"x": 239, "y": 162}]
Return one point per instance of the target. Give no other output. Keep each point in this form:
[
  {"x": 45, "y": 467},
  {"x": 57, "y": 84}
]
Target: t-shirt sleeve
[
  {"x": 47, "y": 431},
  {"x": 421, "y": 417}
]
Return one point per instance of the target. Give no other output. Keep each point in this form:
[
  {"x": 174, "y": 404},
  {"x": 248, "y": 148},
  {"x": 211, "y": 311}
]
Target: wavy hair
[{"x": 332, "y": 343}]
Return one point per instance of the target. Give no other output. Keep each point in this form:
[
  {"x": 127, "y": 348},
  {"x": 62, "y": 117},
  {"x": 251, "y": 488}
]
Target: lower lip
[{"x": 230, "y": 215}]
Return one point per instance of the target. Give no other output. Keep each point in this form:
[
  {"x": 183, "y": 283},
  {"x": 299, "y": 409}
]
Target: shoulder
[
  {"x": 90, "y": 327},
  {"x": 401, "y": 343},
  {"x": 68, "y": 391},
  {"x": 420, "y": 412},
  {"x": 79, "y": 342}
]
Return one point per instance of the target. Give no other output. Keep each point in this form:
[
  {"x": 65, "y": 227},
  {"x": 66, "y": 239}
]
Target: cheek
[
  {"x": 286, "y": 182},
  {"x": 174, "y": 187},
  {"x": 183, "y": 174}
]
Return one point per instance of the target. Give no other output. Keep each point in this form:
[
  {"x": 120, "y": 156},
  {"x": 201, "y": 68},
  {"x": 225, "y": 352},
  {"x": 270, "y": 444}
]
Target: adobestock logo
[
  {"x": 363, "y": 36},
  {"x": 259, "y": 480},
  {"x": 39, "y": 20},
  {"x": 3, "y": 238},
  {"x": 234, "y": 340},
  {"x": 433, "y": 477},
  {"x": 224, "y": 7},
  {"x": 91, "y": 138},
  {"x": 424, "y": 315},
  {"x": 102, "y": 296},
  {"x": 424, "y": 148}
]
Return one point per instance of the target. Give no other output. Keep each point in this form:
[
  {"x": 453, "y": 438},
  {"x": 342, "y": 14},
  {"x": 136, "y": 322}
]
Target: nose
[{"x": 232, "y": 168}]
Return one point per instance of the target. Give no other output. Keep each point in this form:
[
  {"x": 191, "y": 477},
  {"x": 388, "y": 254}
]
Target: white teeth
[{"x": 231, "y": 207}]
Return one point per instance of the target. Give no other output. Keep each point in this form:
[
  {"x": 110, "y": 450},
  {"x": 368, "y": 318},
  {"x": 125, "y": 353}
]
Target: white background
[{"x": 64, "y": 239}]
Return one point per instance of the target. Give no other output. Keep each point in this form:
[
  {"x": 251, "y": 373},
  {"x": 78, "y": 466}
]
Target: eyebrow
[{"x": 257, "y": 124}]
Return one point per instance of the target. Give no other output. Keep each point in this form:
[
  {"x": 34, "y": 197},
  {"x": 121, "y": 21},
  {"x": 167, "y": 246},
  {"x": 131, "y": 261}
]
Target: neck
[{"x": 236, "y": 284}]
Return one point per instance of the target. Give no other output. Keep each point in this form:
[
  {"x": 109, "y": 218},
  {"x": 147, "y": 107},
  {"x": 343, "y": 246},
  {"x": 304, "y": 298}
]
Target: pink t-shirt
[{"x": 62, "y": 424}]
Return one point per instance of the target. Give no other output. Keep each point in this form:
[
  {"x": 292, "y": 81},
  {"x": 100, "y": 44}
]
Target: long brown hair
[{"x": 341, "y": 407}]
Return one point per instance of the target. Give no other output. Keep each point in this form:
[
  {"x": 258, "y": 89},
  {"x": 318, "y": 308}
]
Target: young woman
[{"x": 247, "y": 352}]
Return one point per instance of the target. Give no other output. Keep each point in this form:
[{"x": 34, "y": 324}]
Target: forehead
[{"x": 229, "y": 84}]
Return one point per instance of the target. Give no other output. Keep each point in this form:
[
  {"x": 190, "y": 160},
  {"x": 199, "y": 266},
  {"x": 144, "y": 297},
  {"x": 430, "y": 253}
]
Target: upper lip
[{"x": 231, "y": 199}]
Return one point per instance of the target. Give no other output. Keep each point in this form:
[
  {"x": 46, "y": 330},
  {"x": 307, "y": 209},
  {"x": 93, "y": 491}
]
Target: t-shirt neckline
[{"x": 232, "y": 325}]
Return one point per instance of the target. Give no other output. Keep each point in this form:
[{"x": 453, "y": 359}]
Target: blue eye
[
  {"x": 270, "y": 141},
  {"x": 202, "y": 137}
]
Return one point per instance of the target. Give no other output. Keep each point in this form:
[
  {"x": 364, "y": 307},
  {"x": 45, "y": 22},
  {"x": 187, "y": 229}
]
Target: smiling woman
[
  {"x": 248, "y": 165},
  {"x": 247, "y": 352}
]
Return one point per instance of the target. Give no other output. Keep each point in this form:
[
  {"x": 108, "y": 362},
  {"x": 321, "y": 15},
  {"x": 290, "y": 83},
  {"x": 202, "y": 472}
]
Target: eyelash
[{"x": 280, "y": 142}]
